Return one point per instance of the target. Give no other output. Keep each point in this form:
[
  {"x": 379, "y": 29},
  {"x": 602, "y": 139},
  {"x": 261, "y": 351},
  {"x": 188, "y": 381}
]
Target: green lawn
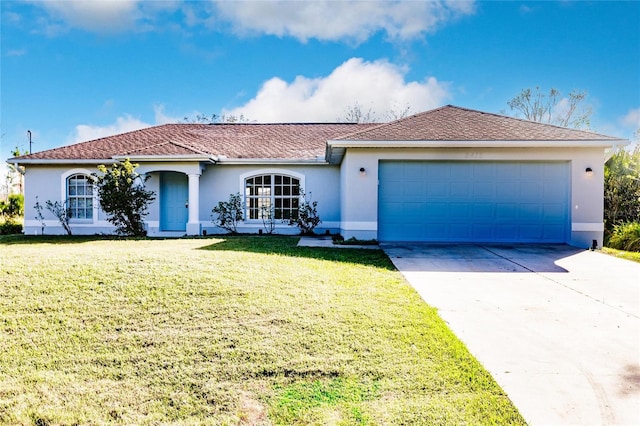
[
  {"x": 244, "y": 330},
  {"x": 629, "y": 255}
]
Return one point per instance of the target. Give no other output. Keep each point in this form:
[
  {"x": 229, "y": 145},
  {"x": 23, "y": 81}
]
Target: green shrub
[
  {"x": 13, "y": 207},
  {"x": 626, "y": 236},
  {"x": 123, "y": 197},
  {"x": 10, "y": 227},
  {"x": 229, "y": 213},
  {"x": 307, "y": 217}
]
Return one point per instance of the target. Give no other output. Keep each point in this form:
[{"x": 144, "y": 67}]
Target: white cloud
[
  {"x": 632, "y": 119},
  {"x": 126, "y": 123},
  {"x": 100, "y": 16},
  {"x": 321, "y": 19},
  {"x": 17, "y": 52},
  {"x": 161, "y": 117},
  {"x": 335, "y": 20},
  {"x": 377, "y": 86}
]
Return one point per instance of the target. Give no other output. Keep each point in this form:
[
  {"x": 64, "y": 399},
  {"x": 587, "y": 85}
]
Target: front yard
[{"x": 238, "y": 330}]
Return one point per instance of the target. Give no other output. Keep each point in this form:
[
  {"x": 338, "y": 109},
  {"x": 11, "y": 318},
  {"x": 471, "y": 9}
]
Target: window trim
[
  {"x": 261, "y": 172},
  {"x": 64, "y": 191}
]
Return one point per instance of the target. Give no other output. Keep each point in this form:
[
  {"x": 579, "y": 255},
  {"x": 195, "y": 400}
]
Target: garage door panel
[
  {"x": 549, "y": 232},
  {"x": 483, "y": 173},
  {"x": 460, "y": 231},
  {"x": 473, "y": 201},
  {"x": 437, "y": 210},
  {"x": 483, "y": 190},
  {"x": 460, "y": 210},
  {"x": 530, "y": 212},
  {"x": 531, "y": 232},
  {"x": 437, "y": 190}
]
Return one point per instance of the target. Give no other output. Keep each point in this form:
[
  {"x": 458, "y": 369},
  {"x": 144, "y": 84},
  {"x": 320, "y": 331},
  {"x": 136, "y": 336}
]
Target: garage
[{"x": 474, "y": 201}]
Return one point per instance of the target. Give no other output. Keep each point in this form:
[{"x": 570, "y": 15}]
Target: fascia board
[
  {"x": 478, "y": 144},
  {"x": 59, "y": 161},
  {"x": 156, "y": 158},
  {"x": 252, "y": 161}
]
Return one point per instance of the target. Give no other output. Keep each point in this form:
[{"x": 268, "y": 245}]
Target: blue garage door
[{"x": 473, "y": 201}]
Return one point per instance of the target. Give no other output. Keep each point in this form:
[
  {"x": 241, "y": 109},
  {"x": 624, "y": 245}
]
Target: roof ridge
[
  {"x": 156, "y": 145},
  {"x": 343, "y": 137}
]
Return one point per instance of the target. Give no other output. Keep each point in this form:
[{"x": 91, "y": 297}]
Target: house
[{"x": 446, "y": 175}]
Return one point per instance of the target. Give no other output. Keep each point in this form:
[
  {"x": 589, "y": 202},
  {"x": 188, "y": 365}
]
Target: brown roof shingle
[
  {"x": 451, "y": 123},
  {"x": 271, "y": 141},
  {"x": 308, "y": 141}
]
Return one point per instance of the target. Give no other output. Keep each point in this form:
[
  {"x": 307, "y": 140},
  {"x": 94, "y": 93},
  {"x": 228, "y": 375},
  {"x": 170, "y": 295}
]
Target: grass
[
  {"x": 246, "y": 330},
  {"x": 629, "y": 255}
]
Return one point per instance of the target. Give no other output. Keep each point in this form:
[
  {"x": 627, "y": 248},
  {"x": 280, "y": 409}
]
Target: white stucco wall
[
  {"x": 320, "y": 182},
  {"x": 47, "y": 183},
  {"x": 359, "y": 198},
  {"x": 216, "y": 182}
]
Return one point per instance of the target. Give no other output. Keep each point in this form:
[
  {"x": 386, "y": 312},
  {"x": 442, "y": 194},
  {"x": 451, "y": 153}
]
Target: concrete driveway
[{"x": 557, "y": 327}]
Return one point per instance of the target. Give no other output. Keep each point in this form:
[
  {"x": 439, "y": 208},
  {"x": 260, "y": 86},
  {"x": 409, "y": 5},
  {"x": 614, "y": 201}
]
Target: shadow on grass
[
  {"x": 60, "y": 239},
  {"x": 268, "y": 244},
  {"x": 287, "y": 246}
]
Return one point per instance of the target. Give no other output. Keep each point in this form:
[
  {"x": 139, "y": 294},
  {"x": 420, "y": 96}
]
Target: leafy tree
[
  {"x": 229, "y": 213},
  {"x": 13, "y": 207},
  {"x": 307, "y": 218},
  {"x": 16, "y": 173},
  {"x": 552, "y": 108},
  {"x": 622, "y": 188},
  {"x": 62, "y": 211},
  {"x": 123, "y": 197}
]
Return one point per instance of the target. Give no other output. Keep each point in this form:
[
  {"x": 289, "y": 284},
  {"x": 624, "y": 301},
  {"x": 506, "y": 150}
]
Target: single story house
[{"x": 446, "y": 175}]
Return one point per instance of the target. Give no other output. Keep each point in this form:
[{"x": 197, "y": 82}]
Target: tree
[
  {"x": 123, "y": 197},
  {"x": 552, "y": 108},
  {"x": 13, "y": 207},
  {"x": 62, "y": 211},
  {"x": 356, "y": 114},
  {"x": 215, "y": 118},
  {"x": 622, "y": 188},
  {"x": 16, "y": 173},
  {"x": 229, "y": 213}
]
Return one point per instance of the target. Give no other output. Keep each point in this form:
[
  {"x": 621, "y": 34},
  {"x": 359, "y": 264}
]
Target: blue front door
[{"x": 174, "y": 199}]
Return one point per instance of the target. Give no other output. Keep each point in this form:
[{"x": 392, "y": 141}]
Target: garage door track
[{"x": 557, "y": 327}]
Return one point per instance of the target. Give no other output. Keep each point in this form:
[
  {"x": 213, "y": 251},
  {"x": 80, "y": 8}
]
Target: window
[
  {"x": 80, "y": 196},
  {"x": 279, "y": 194}
]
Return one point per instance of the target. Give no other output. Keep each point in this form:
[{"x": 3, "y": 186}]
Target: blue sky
[{"x": 78, "y": 70}]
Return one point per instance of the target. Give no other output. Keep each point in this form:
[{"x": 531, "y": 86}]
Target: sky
[{"x": 73, "y": 71}]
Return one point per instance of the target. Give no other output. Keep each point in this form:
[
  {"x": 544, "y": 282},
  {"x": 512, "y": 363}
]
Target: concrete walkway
[
  {"x": 557, "y": 327},
  {"x": 327, "y": 241}
]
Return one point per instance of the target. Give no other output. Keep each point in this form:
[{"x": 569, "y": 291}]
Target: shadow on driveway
[
  {"x": 429, "y": 257},
  {"x": 557, "y": 327}
]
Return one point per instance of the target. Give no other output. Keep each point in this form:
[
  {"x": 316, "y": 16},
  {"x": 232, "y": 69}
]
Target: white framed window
[
  {"x": 271, "y": 194},
  {"x": 79, "y": 196}
]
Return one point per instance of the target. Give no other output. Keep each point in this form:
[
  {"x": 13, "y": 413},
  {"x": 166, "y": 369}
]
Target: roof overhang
[
  {"x": 274, "y": 161},
  {"x": 337, "y": 148},
  {"x": 166, "y": 158},
  {"x": 55, "y": 161}
]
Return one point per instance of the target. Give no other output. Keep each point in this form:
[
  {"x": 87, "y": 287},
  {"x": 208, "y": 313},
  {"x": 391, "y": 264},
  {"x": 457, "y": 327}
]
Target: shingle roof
[
  {"x": 308, "y": 141},
  {"x": 299, "y": 141},
  {"x": 451, "y": 123}
]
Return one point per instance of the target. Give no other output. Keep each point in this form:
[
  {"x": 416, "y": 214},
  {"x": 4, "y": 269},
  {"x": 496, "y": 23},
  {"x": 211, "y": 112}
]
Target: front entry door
[{"x": 174, "y": 201}]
